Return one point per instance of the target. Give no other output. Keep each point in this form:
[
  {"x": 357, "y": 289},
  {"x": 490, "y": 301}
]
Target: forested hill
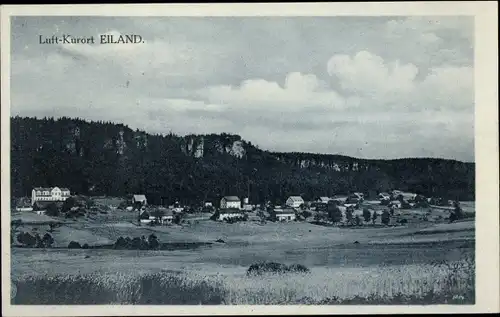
[{"x": 99, "y": 158}]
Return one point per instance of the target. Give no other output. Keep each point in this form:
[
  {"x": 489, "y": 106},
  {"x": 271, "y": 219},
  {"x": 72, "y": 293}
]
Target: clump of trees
[
  {"x": 334, "y": 212},
  {"x": 151, "y": 243},
  {"x": 275, "y": 268},
  {"x": 457, "y": 213},
  {"x": 367, "y": 215},
  {"x": 386, "y": 217},
  {"x": 35, "y": 241}
]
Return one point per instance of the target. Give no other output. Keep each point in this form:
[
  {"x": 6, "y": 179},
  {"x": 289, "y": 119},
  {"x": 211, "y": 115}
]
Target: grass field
[{"x": 392, "y": 265}]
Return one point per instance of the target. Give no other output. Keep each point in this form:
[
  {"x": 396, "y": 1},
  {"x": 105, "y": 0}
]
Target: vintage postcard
[{"x": 250, "y": 159}]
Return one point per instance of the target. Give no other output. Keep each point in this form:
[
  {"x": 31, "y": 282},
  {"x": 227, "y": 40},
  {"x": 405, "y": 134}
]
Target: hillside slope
[{"x": 100, "y": 158}]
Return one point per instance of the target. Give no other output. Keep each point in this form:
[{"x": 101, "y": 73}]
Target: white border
[{"x": 486, "y": 145}]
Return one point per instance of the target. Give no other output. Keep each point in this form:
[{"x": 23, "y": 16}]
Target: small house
[
  {"x": 286, "y": 214},
  {"x": 294, "y": 201},
  {"x": 230, "y": 213},
  {"x": 384, "y": 196},
  {"x": 339, "y": 199},
  {"x": 228, "y": 202},
  {"x": 139, "y": 199},
  {"x": 395, "y": 204},
  {"x": 168, "y": 217},
  {"x": 323, "y": 200}
]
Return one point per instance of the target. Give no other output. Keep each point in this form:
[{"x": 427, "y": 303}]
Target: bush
[
  {"x": 26, "y": 239},
  {"x": 52, "y": 210},
  {"x": 69, "y": 203},
  {"x": 374, "y": 217},
  {"x": 74, "y": 245},
  {"x": 266, "y": 267},
  {"x": 403, "y": 221},
  {"x": 334, "y": 213},
  {"x": 299, "y": 268},
  {"x": 85, "y": 246},
  {"x": 386, "y": 217},
  {"x": 366, "y": 214},
  {"x": 275, "y": 268},
  {"x": 358, "y": 221},
  {"x": 47, "y": 240},
  {"x": 153, "y": 242}
]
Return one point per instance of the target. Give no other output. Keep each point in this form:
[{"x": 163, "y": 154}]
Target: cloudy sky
[{"x": 385, "y": 87}]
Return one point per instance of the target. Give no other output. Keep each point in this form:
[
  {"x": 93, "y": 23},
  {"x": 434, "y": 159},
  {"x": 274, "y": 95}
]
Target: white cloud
[
  {"x": 299, "y": 92},
  {"x": 367, "y": 74},
  {"x": 389, "y": 89},
  {"x": 392, "y": 84}
]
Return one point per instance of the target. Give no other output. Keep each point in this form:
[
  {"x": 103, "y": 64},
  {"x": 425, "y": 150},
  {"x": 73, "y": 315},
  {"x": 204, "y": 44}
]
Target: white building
[
  {"x": 49, "y": 194},
  {"x": 323, "y": 200},
  {"x": 228, "y": 213},
  {"x": 140, "y": 199},
  {"x": 384, "y": 196},
  {"x": 294, "y": 201},
  {"x": 284, "y": 214},
  {"x": 230, "y": 202}
]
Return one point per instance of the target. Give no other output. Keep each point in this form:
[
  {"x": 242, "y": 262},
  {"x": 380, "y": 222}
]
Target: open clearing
[{"x": 339, "y": 266}]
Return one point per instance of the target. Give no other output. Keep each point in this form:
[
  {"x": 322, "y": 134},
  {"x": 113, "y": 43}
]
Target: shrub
[
  {"x": 334, "y": 213},
  {"x": 374, "y": 217},
  {"x": 299, "y": 268},
  {"x": 69, "y": 203},
  {"x": 85, "y": 246},
  {"x": 52, "y": 210},
  {"x": 266, "y": 267},
  {"x": 26, "y": 239},
  {"x": 367, "y": 214},
  {"x": 74, "y": 245},
  {"x": 403, "y": 221},
  {"x": 47, "y": 240},
  {"x": 357, "y": 221},
  {"x": 275, "y": 268},
  {"x": 153, "y": 242},
  {"x": 386, "y": 217},
  {"x": 121, "y": 243}
]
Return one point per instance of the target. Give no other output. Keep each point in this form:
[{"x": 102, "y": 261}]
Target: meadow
[{"x": 418, "y": 263}]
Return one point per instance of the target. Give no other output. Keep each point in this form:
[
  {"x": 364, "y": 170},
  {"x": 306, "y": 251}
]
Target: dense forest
[{"x": 103, "y": 158}]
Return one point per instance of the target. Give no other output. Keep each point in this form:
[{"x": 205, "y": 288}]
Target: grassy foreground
[{"x": 445, "y": 283}]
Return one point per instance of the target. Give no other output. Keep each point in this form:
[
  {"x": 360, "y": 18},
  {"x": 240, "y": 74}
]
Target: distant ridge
[{"x": 104, "y": 158}]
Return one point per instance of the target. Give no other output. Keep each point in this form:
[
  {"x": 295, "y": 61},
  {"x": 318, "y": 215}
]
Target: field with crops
[{"x": 421, "y": 263}]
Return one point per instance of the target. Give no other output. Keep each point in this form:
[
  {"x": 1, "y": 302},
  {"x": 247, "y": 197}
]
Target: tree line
[{"x": 104, "y": 158}]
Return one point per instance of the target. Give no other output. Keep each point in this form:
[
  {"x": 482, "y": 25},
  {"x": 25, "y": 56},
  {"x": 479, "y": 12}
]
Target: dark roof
[{"x": 231, "y": 198}]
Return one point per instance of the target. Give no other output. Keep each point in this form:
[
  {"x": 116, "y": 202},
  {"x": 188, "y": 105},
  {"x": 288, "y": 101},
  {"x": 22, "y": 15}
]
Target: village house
[
  {"x": 228, "y": 213},
  {"x": 294, "y": 201},
  {"x": 230, "y": 202},
  {"x": 139, "y": 199},
  {"x": 339, "y": 199},
  {"x": 286, "y": 214},
  {"x": 323, "y": 200},
  {"x": 49, "y": 194},
  {"x": 384, "y": 196}
]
